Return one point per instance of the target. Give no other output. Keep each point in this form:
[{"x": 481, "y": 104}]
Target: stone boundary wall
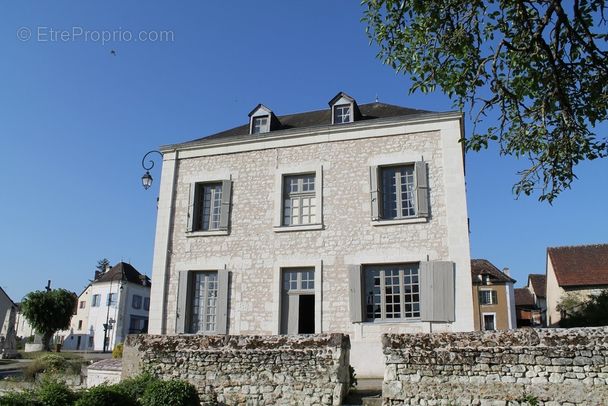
[
  {"x": 247, "y": 370},
  {"x": 541, "y": 366}
]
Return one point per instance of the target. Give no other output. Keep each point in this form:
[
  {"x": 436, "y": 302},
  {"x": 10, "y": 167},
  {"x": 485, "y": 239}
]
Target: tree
[
  {"x": 591, "y": 312},
  {"x": 48, "y": 312},
  {"x": 541, "y": 66},
  {"x": 102, "y": 264}
]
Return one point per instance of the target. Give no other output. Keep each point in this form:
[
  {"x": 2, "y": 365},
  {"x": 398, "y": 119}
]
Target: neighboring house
[
  {"x": 8, "y": 312},
  {"x": 528, "y": 312},
  {"x": 349, "y": 219},
  {"x": 493, "y": 296},
  {"x": 531, "y": 303},
  {"x": 582, "y": 269},
  {"x": 24, "y": 329},
  {"x": 118, "y": 297}
]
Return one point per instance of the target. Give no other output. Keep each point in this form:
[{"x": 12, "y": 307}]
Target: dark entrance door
[{"x": 306, "y": 316}]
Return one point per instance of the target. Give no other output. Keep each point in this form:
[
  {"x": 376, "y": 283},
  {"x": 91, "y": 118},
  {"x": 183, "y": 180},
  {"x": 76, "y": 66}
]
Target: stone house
[
  {"x": 349, "y": 219},
  {"x": 8, "y": 314},
  {"x": 493, "y": 296},
  {"x": 120, "y": 297},
  {"x": 581, "y": 269},
  {"x": 531, "y": 303}
]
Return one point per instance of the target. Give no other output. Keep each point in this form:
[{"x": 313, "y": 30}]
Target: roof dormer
[
  {"x": 262, "y": 120},
  {"x": 344, "y": 109}
]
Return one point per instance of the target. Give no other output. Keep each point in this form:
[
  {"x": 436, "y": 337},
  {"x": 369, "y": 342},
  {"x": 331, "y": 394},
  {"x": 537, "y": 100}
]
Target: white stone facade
[{"x": 254, "y": 251}]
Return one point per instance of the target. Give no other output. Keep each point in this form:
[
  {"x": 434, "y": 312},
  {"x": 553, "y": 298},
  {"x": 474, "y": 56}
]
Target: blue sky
[{"x": 75, "y": 121}]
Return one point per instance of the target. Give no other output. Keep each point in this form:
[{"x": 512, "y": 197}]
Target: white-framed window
[
  {"x": 146, "y": 303},
  {"x": 82, "y": 304},
  {"x": 111, "y": 299},
  {"x": 488, "y": 297},
  {"x": 489, "y": 321},
  {"x": 399, "y": 192},
  {"x": 392, "y": 292},
  {"x": 95, "y": 300},
  {"x": 203, "y": 305},
  {"x": 342, "y": 114},
  {"x": 209, "y": 207},
  {"x": 136, "y": 301},
  {"x": 79, "y": 324},
  {"x": 299, "y": 200},
  {"x": 260, "y": 125}
]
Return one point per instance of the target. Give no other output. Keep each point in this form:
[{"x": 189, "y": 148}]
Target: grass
[{"x": 38, "y": 354}]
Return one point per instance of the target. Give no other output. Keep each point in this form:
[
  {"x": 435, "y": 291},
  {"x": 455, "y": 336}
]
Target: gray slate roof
[{"x": 310, "y": 119}]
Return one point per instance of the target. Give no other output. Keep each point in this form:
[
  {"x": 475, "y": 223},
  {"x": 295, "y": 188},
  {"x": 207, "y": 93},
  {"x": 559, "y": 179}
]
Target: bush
[
  {"x": 55, "y": 393},
  {"x": 46, "y": 363},
  {"x": 105, "y": 395},
  {"x": 117, "y": 351},
  {"x": 25, "y": 398},
  {"x": 170, "y": 393},
  {"x": 136, "y": 386}
]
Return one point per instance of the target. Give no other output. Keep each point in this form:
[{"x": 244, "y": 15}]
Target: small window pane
[
  {"x": 398, "y": 192},
  {"x": 260, "y": 125},
  {"x": 299, "y": 202},
  {"x": 342, "y": 114},
  {"x": 208, "y": 206}
]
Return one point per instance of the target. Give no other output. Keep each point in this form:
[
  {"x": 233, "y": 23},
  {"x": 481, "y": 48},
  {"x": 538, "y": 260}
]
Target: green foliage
[
  {"x": 102, "y": 264},
  {"x": 52, "y": 363},
  {"x": 25, "y": 398},
  {"x": 48, "y": 312},
  {"x": 117, "y": 351},
  {"x": 542, "y": 66},
  {"x": 170, "y": 393},
  {"x": 135, "y": 387},
  {"x": 55, "y": 393},
  {"x": 592, "y": 312},
  {"x": 528, "y": 399},
  {"x": 105, "y": 395}
]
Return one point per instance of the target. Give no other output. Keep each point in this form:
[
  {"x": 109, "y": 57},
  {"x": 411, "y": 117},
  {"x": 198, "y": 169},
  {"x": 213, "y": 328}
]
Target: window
[
  {"x": 146, "y": 303},
  {"x": 138, "y": 325},
  {"x": 399, "y": 192},
  {"x": 111, "y": 301},
  {"x": 210, "y": 206},
  {"x": 95, "y": 300},
  {"x": 79, "y": 324},
  {"x": 489, "y": 321},
  {"x": 82, "y": 304},
  {"x": 298, "y": 301},
  {"x": 392, "y": 292},
  {"x": 342, "y": 114},
  {"x": 136, "y": 302},
  {"x": 203, "y": 308},
  {"x": 299, "y": 200},
  {"x": 488, "y": 297},
  {"x": 91, "y": 342},
  {"x": 260, "y": 125}
]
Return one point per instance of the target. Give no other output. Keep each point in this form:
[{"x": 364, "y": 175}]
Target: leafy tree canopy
[
  {"x": 102, "y": 264},
  {"x": 49, "y": 311},
  {"x": 542, "y": 66},
  {"x": 586, "y": 313}
]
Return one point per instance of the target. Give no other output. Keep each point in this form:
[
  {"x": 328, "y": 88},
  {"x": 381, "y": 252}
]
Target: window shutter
[
  {"x": 182, "y": 301},
  {"x": 223, "y": 279},
  {"x": 225, "y": 209},
  {"x": 191, "y": 199},
  {"x": 293, "y": 314},
  {"x": 494, "y": 297},
  {"x": 422, "y": 189},
  {"x": 374, "y": 192},
  {"x": 437, "y": 291},
  {"x": 355, "y": 295}
]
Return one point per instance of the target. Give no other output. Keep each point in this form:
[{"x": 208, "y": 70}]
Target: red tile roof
[
  {"x": 582, "y": 265},
  {"x": 485, "y": 267},
  {"x": 539, "y": 284},
  {"x": 523, "y": 297}
]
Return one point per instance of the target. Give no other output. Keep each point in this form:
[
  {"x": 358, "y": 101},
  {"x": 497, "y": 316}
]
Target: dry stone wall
[
  {"x": 546, "y": 367},
  {"x": 247, "y": 370}
]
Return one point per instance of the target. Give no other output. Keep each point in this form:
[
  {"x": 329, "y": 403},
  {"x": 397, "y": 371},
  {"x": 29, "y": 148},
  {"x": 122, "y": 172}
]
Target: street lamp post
[{"x": 146, "y": 180}]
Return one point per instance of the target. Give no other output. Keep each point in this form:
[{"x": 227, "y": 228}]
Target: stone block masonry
[
  {"x": 546, "y": 367},
  {"x": 247, "y": 370}
]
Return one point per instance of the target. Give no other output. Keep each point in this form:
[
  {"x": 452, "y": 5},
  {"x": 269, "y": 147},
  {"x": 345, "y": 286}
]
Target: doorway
[{"x": 298, "y": 301}]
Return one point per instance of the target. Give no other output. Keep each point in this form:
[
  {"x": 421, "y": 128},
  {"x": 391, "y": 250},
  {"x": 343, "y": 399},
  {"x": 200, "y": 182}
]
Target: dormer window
[
  {"x": 262, "y": 120},
  {"x": 344, "y": 109},
  {"x": 260, "y": 125},
  {"x": 342, "y": 114}
]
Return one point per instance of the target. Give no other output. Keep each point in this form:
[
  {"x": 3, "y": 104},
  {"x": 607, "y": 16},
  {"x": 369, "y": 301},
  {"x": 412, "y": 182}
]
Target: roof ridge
[{"x": 578, "y": 246}]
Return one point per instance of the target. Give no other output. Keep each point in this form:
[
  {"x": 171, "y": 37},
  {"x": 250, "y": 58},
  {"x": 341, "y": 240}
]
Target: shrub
[
  {"x": 55, "y": 393},
  {"x": 25, "y": 398},
  {"x": 170, "y": 393},
  {"x": 136, "y": 386},
  {"x": 117, "y": 351},
  {"x": 54, "y": 363},
  {"x": 105, "y": 395}
]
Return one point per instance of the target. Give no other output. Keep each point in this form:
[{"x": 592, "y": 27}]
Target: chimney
[
  {"x": 108, "y": 268},
  {"x": 506, "y": 271}
]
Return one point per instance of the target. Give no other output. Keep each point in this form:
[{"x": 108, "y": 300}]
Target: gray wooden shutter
[
  {"x": 422, "y": 189},
  {"x": 225, "y": 209},
  {"x": 437, "y": 291},
  {"x": 223, "y": 279},
  {"x": 293, "y": 314},
  {"x": 494, "y": 297},
  {"x": 374, "y": 192},
  {"x": 355, "y": 293},
  {"x": 191, "y": 201},
  {"x": 182, "y": 302}
]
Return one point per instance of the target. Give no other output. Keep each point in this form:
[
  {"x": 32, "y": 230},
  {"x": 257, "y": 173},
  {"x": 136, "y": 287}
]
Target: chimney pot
[{"x": 506, "y": 271}]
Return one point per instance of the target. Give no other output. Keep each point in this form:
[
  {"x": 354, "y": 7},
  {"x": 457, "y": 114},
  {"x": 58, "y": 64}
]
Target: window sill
[
  {"x": 286, "y": 229},
  {"x": 206, "y": 233},
  {"x": 414, "y": 220}
]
